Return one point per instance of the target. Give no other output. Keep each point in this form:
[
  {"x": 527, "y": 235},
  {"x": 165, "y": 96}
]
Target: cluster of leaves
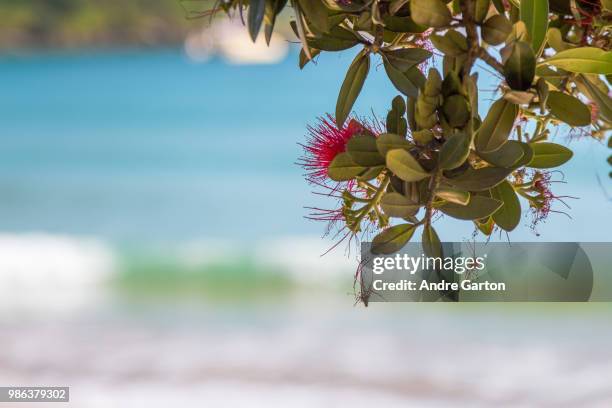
[{"x": 438, "y": 154}]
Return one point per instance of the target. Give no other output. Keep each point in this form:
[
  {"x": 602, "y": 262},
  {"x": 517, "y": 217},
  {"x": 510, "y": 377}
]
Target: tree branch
[
  {"x": 433, "y": 185},
  {"x": 467, "y": 7},
  {"x": 490, "y": 60}
]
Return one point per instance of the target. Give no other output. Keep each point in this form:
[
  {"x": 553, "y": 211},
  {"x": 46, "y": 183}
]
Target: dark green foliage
[{"x": 438, "y": 153}]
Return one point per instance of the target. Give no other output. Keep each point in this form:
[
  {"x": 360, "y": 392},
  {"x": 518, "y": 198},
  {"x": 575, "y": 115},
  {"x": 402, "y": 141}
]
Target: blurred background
[{"x": 153, "y": 249}]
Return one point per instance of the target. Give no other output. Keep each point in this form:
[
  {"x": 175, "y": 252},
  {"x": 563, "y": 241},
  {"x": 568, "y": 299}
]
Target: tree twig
[
  {"x": 490, "y": 60},
  {"x": 433, "y": 185},
  {"x": 467, "y": 7}
]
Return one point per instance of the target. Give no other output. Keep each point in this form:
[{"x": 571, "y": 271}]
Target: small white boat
[{"x": 230, "y": 40}]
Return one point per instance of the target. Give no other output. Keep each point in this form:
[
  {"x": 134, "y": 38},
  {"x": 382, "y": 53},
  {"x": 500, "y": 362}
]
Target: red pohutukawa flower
[
  {"x": 586, "y": 11},
  {"x": 324, "y": 142},
  {"x": 542, "y": 202}
]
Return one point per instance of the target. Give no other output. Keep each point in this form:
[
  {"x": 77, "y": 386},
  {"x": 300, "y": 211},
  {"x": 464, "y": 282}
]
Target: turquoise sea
[{"x": 147, "y": 146}]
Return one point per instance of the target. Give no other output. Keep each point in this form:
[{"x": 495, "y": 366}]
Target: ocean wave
[
  {"x": 42, "y": 271},
  {"x": 45, "y": 271},
  {"x": 307, "y": 258}
]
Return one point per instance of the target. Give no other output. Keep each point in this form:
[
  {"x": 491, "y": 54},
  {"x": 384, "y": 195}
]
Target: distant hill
[{"x": 34, "y": 24}]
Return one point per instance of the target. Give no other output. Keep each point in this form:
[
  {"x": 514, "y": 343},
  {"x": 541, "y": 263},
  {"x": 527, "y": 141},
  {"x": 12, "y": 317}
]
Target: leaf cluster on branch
[{"x": 435, "y": 153}]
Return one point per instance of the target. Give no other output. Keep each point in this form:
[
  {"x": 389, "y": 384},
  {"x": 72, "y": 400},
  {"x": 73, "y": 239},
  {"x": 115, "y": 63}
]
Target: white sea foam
[
  {"x": 206, "y": 251},
  {"x": 51, "y": 272},
  {"x": 305, "y": 258},
  {"x": 302, "y": 257},
  {"x": 46, "y": 272}
]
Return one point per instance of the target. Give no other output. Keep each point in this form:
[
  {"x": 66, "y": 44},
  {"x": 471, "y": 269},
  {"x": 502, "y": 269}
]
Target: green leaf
[
  {"x": 399, "y": 104},
  {"x": 519, "y": 97},
  {"x": 470, "y": 83},
  {"x": 455, "y": 151},
  {"x": 299, "y": 29},
  {"x": 585, "y": 60},
  {"x": 396, "y": 123},
  {"x": 389, "y": 141},
  {"x": 393, "y": 119},
  {"x": 338, "y": 39},
  {"x": 534, "y": 13},
  {"x": 499, "y": 6},
  {"x": 396, "y": 5},
  {"x": 519, "y": 33},
  {"x": 408, "y": 82},
  {"x": 527, "y": 156},
  {"x": 543, "y": 92},
  {"x": 453, "y": 195},
  {"x": 363, "y": 151},
  {"x": 329, "y": 43},
  {"x": 478, "y": 207},
  {"x": 594, "y": 93},
  {"x": 273, "y": 8},
  {"x": 496, "y": 127},
  {"x": 423, "y": 137},
  {"x": 485, "y": 225},
  {"x": 548, "y": 155},
  {"x": 506, "y": 156},
  {"x": 257, "y": 9},
  {"x": 568, "y": 109},
  {"x": 519, "y": 69},
  {"x": 452, "y": 85},
  {"x": 343, "y": 168},
  {"x": 404, "y": 166},
  {"x": 433, "y": 84},
  {"x": 431, "y": 13},
  {"x": 398, "y": 205},
  {"x": 480, "y": 179},
  {"x": 342, "y": 33},
  {"x": 410, "y": 113},
  {"x": 458, "y": 39},
  {"x": 316, "y": 13},
  {"x": 456, "y": 110},
  {"x": 405, "y": 58},
  {"x": 550, "y": 75},
  {"x": 334, "y": 20},
  {"x": 509, "y": 215},
  {"x": 304, "y": 59},
  {"x": 431, "y": 242},
  {"x": 496, "y": 29},
  {"x": 370, "y": 173},
  {"x": 351, "y": 87},
  {"x": 452, "y": 43},
  {"x": 402, "y": 25},
  {"x": 392, "y": 239},
  {"x": 481, "y": 8},
  {"x": 425, "y": 111},
  {"x": 555, "y": 39},
  {"x": 344, "y": 6}
]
